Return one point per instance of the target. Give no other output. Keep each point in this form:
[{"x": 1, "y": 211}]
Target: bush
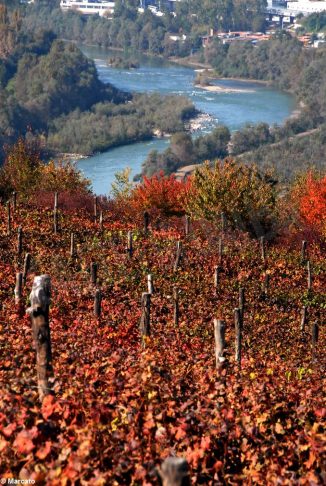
[
  {"x": 26, "y": 173},
  {"x": 22, "y": 168},
  {"x": 165, "y": 194},
  {"x": 242, "y": 193},
  {"x": 308, "y": 200}
]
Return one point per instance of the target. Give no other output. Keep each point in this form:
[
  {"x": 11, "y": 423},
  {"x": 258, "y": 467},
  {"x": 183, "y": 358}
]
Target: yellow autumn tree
[{"x": 241, "y": 192}]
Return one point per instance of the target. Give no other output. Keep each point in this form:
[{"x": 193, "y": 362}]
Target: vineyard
[{"x": 169, "y": 337}]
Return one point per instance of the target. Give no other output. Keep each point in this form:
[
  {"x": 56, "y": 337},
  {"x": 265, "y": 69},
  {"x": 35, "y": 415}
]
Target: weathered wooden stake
[
  {"x": 98, "y": 303},
  {"x": 39, "y": 311},
  {"x": 187, "y": 225},
  {"x": 217, "y": 270},
  {"x": 314, "y": 338},
  {"x": 303, "y": 318},
  {"x": 223, "y": 222},
  {"x": 220, "y": 251},
  {"x": 20, "y": 241},
  {"x": 178, "y": 256},
  {"x": 266, "y": 284},
  {"x": 27, "y": 266},
  {"x": 176, "y": 307},
  {"x": 304, "y": 252},
  {"x": 309, "y": 276},
  {"x": 241, "y": 304},
  {"x": 55, "y": 214},
  {"x": 130, "y": 244},
  {"x": 55, "y": 221},
  {"x": 19, "y": 288},
  {"x": 95, "y": 208},
  {"x": 145, "y": 320},
  {"x": 146, "y": 222},
  {"x": 72, "y": 245},
  {"x": 94, "y": 268},
  {"x": 150, "y": 284},
  {"x": 262, "y": 248},
  {"x": 238, "y": 326},
  {"x": 14, "y": 200},
  {"x": 175, "y": 472},
  {"x": 219, "y": 334},
  {"x": 8, "y": 218}
]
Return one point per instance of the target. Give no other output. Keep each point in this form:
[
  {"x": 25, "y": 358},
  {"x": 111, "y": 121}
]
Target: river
[{"x": 254, "y": 103}]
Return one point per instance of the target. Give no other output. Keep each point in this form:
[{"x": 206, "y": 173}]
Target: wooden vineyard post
[
  {"x": 55, "y": 214},
  {"x": 266, "y": 284},
  {"x": 27, "y": 266},
  {"x": 95, "y": 209},
  {"x": 39, "y": 312},
  {"x": 309, "y": 276},
  {"x": 72, "y": 246},
  {"x": 20, "y": 241},
  {"x": 150, "y": 284},
  {"x": 238, "y": 326},
  {"x": 146, "y": 222},
  {"x": 314, "y": 338},
  {"x": 241, "y": 304},
  {"x": 130, "y": 244},
  {"x": 303, "y": 318},
  {"x": 220, "y": 251},
  {"x": 178, "y": 256},
  {"x": 175, "y": 307},
  {"x": 18, "y": 288},
  {"x": 8, "y": 218},
  {"x": 145, "y": 320},
  {"x": 223, "y": 223},
  {"x": 98, "y": 303},
  {"x": 219, "y": 334},
  {"x": 175, "y": 472},
  {"x": 187, "y": 225},
  {"x": 262, "y": 249},
  {"x": 217, "y": 270},
  {"x": 14, "y": 200},
  {"x": 303, "y": 252},
  {"x": 94, "y": 268}
]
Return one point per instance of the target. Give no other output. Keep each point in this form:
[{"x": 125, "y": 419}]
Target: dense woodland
[
  {"x": 50, "y": 88},
  {"x": 127, "y": 384}
]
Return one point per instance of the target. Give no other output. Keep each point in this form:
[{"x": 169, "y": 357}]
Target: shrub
[
  {"x": 308, "y": 200},
  {"x": 242, "y": 193},
  {"x": 26, "y": 173},
  {"x": 63, "y": 176},
  {"x": 164, "y": 193},
  {"x": 22, "y": 168}
]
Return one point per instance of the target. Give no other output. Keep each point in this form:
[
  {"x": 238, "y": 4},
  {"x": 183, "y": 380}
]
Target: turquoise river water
[{"x": 256, "y": 103}]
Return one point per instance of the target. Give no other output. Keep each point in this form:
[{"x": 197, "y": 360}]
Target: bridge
[{"x": 283, "y": 14}]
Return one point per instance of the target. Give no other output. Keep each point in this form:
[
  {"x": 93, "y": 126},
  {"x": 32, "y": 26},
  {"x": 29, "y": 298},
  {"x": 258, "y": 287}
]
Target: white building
[
  {"x": 89, "y": 7},
  {"x": 306, "y": 7}
]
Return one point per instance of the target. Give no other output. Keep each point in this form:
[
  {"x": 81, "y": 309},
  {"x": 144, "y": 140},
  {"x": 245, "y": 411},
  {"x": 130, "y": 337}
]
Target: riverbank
[{"x": 219, "y": 89}]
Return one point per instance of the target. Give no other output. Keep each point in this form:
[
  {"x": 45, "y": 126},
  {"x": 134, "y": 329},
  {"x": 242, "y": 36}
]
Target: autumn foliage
[
  {"x": 25, "y": 172},
  {"x": 312, "y": 201},
  {"x": 118, "y": 409},
  {"x": 164, "y": 193},
  {"x": 246, "y": 196}
]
